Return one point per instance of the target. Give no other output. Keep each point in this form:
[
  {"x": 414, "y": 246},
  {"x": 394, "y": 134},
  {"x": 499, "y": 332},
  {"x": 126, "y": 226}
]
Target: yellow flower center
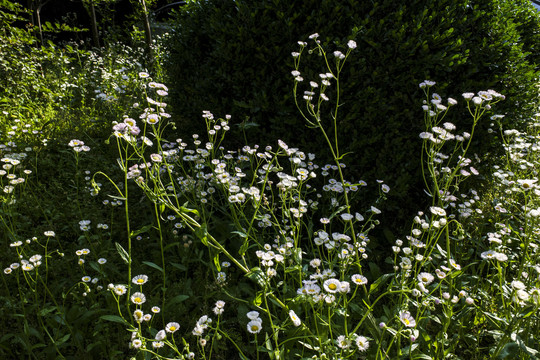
[
  {"x": 332, "y": 286},
  {"x": 254, "y": 328},
  {"x": 172, "y": 328}
]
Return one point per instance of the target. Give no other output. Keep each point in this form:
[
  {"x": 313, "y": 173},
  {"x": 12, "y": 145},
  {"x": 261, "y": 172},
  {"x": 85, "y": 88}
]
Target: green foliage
[
  {"x": 233, "y": 57},
  {"x": 205, "y": 222}
]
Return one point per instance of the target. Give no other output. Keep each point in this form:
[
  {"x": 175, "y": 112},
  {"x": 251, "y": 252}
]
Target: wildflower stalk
[
  {"x": 274, "y": 329},
  {"x": 162, "y": 250},
  {"x": 206, "y": 238},
  {"x": 123, "y": 153},
  {"x": 223, "y": 333},
  {"x": 314, "y": 119}
]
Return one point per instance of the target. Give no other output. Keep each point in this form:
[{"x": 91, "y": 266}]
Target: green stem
[{"x": 162, "y": 250}]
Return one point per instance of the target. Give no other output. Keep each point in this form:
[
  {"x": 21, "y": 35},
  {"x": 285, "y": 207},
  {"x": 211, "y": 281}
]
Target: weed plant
[{"x": 139, "y": 245}]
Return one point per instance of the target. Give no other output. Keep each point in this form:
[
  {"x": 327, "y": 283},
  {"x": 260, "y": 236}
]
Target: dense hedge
[{"x": 233, "y": 57}]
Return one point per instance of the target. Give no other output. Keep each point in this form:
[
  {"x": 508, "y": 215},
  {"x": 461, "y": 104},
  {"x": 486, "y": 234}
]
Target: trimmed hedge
[{"x": 234, "y": 57}]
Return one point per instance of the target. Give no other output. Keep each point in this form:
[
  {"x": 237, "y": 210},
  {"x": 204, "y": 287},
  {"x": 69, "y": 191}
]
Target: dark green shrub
[{"x": 234, "y": 57}]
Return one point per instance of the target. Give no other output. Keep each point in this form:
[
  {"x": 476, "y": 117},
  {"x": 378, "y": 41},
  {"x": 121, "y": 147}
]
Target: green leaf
[
  {"x": 497, "y": 320},
  {"x": 297, "y": 255},
  {"x": 113, "y": 318},
  {"x": 257, "y": 276},
  {"x": 117, "y": 197},
  {"x": 525, "y": 348},
  {"x": 244, "y": 248},
  {"x": 239, "y": 233},
  {"x": 217, "y": 263},
  {"x": 342, "y": 156},
  {"x": 152, "y": 265},
  {"x": 268, "y": 343},
  {"x": 338, "y": 211},
  {"x": 375, "y": 270},
  {"x": 257, "y": 301},
  {"x": 121, "y": 164},
  {"x": 441, "y": 251},
  {"x": 63, "y": 339},
  {"x": 142, "y": 230},
  {"x": 373, "y": 326},
  {"x": 290, "y": 269},
  {"x": 422, "y": 356},
  {"x": 355, "y": 308},
  {"x": 309, "y": 346},
  {"x": 379, "y": 281},
  {"x": 247, "y": 125},
  {"x": 94, "y": 265},
  {"x": 185, "y": 209},
  {"x": 408, "y": 349},
  {"x": 45, "y": 311},
  {"x": 509, "y": 351},
  {"x": 528, "y": 311},
  {"x": 177, "y": 299},
  {"x": 179, "y": 266},
  {"x": 202, "y": 234},
  {"x": 123, "y": 253}
]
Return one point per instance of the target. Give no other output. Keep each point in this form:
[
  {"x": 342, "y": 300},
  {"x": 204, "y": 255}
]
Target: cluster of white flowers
[
  {"x": 78, "y": 146},
  {"x": 201, "y": 325},
  {"x": 324, "y": 287},
  {"x": 27, "y": 265},
  {"x": 18, "y": 128},
  {"x": 311, "y": 94},
  {"x": 219, "y": 307},
  {"x": 254, "y": 326},
  {"x": 120, "y": 82},
  {"x": 343, "y": 342},
  {"x": 483, "y": 98},
  {"x": 84, "y": 225},
  {"x": 12, "y": 162},
  {"x": 519, "y": 294},
  {"x": 270, "y": 258}
]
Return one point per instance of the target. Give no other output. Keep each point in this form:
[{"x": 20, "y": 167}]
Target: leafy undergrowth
[{"x": 120, "y": 240}]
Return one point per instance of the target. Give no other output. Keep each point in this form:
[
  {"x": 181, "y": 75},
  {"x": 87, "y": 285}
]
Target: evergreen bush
[{"x": 234, "y": 57}]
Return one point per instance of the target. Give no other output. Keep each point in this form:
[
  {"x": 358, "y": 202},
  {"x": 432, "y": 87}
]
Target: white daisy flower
[{"x": 332, "y": 285}]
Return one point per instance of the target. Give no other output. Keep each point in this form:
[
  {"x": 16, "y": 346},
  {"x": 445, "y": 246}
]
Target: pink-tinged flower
[{"x": 407, "y": 319}]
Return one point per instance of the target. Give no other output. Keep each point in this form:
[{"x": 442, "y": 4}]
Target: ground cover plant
[{"x": 122, "y": 241}]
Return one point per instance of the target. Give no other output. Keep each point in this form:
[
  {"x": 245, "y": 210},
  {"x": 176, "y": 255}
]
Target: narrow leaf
[
  {"x": 152, "y": 265},
  {"x": 113, "y": 318},
  {"x": 123, "y": 253},
  {"x": 141, "y": 230}
]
